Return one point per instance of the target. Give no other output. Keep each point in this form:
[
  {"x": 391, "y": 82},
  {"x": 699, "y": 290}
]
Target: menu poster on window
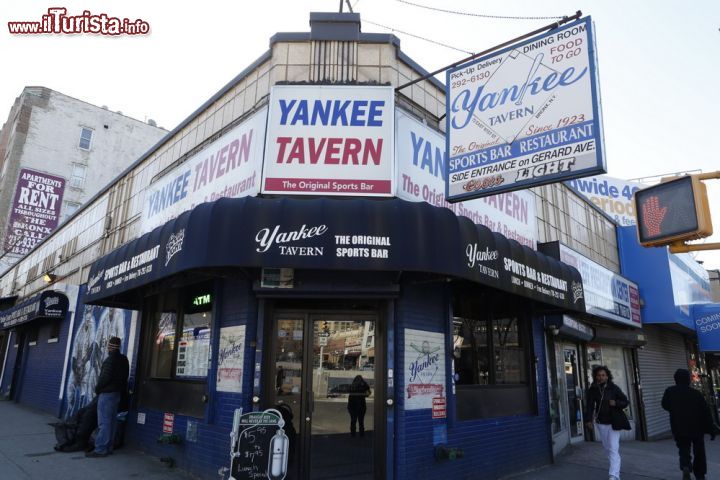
[
  {"x": 193, "y": 354},
  {"x": 424, "y": 368},
  {"x": 230, "y": 359}
]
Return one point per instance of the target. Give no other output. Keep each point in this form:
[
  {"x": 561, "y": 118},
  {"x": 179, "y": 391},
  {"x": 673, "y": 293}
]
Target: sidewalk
[
  {"x": 640, "y": 461},
  {"x": 26, "y": 452}
]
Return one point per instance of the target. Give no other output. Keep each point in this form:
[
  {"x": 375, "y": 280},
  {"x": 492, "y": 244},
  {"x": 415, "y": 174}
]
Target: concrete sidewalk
[
  {"x": 640, "y": 461},
  {"x": 26, "y": 452}
]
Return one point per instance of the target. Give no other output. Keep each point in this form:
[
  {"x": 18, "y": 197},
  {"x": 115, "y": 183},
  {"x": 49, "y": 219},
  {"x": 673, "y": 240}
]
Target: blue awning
[
  {"x": 48, "y": 304},
  {"x": 336, "y": 234}
]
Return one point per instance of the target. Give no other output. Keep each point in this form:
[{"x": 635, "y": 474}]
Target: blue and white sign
[
  {"x": 707, "y": 326},
  {"x": 607, "y": 294},
  {"x": 525, "y": 116}
]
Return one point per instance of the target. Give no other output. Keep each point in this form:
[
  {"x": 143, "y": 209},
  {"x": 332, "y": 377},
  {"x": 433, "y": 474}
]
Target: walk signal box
[{"x": 673, "y": 211}]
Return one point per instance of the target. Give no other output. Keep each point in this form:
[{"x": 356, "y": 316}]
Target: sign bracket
[
  {"x": 562, "y": 21},
  {"x": 682, "y": 247}
]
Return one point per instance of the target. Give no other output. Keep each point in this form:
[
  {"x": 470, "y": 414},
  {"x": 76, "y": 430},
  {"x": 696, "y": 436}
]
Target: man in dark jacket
[
  {"x": 690, "y": 420},
  {"x": 111, "y": 386}
]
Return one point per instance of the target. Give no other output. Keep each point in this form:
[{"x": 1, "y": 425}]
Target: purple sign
[{"x": 35, "y": 212}]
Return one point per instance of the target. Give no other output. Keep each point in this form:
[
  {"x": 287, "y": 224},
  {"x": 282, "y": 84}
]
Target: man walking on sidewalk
[
  {"x": 111, "y": 385},
  {"x": 690, "y": 420}
]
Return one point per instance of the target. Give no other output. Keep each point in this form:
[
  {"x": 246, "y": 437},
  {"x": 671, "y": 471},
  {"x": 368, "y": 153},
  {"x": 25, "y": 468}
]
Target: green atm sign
[{"x": 201, "y": 300}]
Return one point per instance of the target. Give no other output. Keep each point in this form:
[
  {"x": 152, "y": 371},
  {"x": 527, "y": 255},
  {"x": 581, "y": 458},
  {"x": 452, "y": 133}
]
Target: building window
[
  {"x": 181, "y": 337},
  {"x": 492, "y": 356},
  {"x": 79, "y": 172},
  {"x": 85, "y": 138},
  {"x": 32, "y": 337},
  {"x": 68, "y": 209},
  {"x": 491, "y": 351}
]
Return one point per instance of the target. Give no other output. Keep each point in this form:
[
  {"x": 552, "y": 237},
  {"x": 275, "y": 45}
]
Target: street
[{"x": 26, "y": 452}]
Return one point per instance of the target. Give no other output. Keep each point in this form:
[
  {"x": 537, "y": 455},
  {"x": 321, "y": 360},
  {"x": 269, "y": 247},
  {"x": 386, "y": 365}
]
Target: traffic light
[{"x": 673, "y": 211}]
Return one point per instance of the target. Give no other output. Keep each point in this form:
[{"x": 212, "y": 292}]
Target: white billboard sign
[
  {"x": 228, "y": 167},
  {"x": 611, "y": 195},
  {"x": 421, "y": 160},
  {"x": 525, "y": 116},
  {"x": 330, "y": 140}
]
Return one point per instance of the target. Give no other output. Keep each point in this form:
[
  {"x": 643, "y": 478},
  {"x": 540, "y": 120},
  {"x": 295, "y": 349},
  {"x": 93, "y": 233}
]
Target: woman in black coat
[{"x": 605, "y": 402}]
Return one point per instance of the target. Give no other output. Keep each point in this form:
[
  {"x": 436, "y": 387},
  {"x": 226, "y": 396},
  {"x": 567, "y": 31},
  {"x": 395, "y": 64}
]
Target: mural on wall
[{"x": 89, "y": 349}]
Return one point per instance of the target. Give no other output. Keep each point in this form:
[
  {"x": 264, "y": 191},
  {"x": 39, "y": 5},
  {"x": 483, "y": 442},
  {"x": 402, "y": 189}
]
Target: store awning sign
[
  {"x": 333, "y": 234},
  {"x": 330, "y": 140},
  {"x": 48, "y": 304},
  {"x": 607, "y": 294},
  {"x": 707, "y": 326},
  {"x": 525, "y": 116}
]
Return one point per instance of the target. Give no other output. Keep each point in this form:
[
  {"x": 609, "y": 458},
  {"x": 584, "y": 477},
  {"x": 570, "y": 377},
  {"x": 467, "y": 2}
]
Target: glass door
[
  {"x": 574, "y": 393},
  {"x": 324, "y": 374}
]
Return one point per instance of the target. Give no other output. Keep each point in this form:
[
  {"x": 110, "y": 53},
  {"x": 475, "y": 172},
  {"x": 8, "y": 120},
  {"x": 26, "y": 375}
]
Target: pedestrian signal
[{"x": 673, "y": 211}]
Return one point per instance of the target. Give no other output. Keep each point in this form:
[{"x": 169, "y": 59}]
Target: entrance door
[
  {"x": 18, "y": 367},
  {"x": 324, "y": 370},
  {"x": 574, "y": 393}
]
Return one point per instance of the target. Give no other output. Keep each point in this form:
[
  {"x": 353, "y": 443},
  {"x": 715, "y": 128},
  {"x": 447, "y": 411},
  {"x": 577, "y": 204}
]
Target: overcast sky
[{"x": 659, "y": 62}]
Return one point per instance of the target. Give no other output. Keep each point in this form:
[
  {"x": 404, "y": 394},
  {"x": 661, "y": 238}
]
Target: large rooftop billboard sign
[
  {"x": 331, "y": 140},
  {"x": 527, "y": 115}
]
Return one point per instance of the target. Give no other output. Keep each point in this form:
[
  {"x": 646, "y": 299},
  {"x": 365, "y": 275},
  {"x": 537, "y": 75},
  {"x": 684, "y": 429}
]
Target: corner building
[{"x": 290, "y": 236}]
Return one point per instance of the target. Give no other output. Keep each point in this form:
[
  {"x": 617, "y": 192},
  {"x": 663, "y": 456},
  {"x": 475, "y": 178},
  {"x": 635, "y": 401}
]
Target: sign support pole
[{"x": 563, "y": 21}]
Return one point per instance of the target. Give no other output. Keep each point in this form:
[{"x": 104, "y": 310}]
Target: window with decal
[
  {"x": 492, "y": 355},
  {"x": 177, "y": 349}
]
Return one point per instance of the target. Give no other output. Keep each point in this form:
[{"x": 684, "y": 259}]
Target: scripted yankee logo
[
  {"x": 266, "y": 237},
  {"x": 174, "y": 245},
  {"x": 577, "y": 290},
  {"x": 92, "y": 281},
  {"x": 51, "y": 301}
]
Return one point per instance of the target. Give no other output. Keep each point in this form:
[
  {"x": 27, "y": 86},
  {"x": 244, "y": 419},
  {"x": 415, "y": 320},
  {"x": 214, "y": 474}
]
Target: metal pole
[
  {"x": 564, "y": 20},
  {"x": 681, "y": 247}
]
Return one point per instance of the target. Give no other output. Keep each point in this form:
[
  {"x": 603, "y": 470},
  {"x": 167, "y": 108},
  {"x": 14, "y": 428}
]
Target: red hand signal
[{"x": 653, "y": 215}]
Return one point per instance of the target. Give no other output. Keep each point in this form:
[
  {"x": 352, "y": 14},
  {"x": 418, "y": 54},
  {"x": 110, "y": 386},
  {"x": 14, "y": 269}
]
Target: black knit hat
[{"x": 114, "y": 343}]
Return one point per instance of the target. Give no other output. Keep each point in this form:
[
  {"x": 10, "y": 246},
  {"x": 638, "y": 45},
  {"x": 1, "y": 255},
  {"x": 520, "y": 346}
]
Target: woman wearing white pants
[{"x": 604, "y": 412}]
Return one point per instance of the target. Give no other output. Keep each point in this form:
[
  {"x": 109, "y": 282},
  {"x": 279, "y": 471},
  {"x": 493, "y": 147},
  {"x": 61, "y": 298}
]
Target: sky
[{"x": 659, "y": 62}]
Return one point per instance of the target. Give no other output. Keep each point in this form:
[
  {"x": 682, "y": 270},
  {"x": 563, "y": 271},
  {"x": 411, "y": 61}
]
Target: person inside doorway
[
  {"x": 690, "y": 420},
  {"x": 605, "y": 404},
  {"x": 358, "y": 392}
]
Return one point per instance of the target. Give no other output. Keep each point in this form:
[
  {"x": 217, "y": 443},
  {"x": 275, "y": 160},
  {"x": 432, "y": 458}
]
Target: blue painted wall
[
  {"x": 42, "y": 365},
  {"x": 493, "y": 447},
  {"x": 234, "y": 306}
]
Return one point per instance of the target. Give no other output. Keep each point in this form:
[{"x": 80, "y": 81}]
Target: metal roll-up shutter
[{"x": 664, "y": 353}]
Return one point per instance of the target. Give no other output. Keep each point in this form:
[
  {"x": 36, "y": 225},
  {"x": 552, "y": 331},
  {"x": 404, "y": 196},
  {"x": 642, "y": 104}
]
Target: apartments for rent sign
[
  {"x": 227, "y": 167},
  {"x": 527, "y": 115},
  {"x": 334, "y": 140}
]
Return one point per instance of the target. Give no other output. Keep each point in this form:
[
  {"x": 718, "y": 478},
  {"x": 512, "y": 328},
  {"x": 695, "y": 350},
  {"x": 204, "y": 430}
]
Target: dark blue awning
[
  {"x": 48, "y": 304},
  {"x": 351, "y": 234}
]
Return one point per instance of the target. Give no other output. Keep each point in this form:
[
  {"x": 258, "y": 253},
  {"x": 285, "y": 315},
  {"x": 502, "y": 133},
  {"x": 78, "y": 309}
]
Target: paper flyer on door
[{"x": 230, "y": 359}]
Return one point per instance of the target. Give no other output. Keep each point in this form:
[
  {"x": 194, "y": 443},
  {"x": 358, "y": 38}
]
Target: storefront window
[
  {"x": 181, "y": 336},
  {"x": 163, "y": 348},
  {"x": 484, "y": 359}
]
